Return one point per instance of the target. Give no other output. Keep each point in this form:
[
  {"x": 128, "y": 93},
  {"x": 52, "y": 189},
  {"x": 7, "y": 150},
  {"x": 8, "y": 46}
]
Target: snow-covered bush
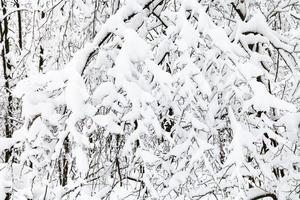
[{"x": 162, "y": 99}]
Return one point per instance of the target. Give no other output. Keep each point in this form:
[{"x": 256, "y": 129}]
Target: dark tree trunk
[
  {"x": 19, "y": 25},
  {"x": 7, "y": 78},
  {"x": 63, "y": 164}
]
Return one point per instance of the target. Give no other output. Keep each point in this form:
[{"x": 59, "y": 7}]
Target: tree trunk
[
  {"x": 7, "y": 78},
  {"x": 8, "y": 126},
  {"x": 19, "y": 25},
  {"x": 63, "y": 164}
]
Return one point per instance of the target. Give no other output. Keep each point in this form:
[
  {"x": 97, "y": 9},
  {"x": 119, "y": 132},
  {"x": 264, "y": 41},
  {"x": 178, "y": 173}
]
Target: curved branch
[{"x": 272, "y": 195}]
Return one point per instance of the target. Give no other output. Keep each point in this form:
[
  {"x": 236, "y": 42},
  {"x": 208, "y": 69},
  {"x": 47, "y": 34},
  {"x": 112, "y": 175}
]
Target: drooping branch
[
  {"x": 125, "y": 19},
  {"x": 271, "y": 195}
]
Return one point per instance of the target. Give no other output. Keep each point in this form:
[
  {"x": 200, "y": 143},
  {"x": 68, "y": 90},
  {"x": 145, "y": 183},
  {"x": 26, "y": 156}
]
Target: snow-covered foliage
[{"x": 151, "y": 99}]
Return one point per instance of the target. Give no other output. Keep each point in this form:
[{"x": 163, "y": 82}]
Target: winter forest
[{"x": 149, "y": 99}]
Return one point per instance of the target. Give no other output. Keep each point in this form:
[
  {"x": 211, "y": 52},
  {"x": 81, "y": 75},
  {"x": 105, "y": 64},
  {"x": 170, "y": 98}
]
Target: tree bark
[
  {"x": 19, "y": 25},
  {"x": 7, "y": 78}
]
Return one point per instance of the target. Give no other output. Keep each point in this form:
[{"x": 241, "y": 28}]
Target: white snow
[{"x": 263, "y": 100}]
